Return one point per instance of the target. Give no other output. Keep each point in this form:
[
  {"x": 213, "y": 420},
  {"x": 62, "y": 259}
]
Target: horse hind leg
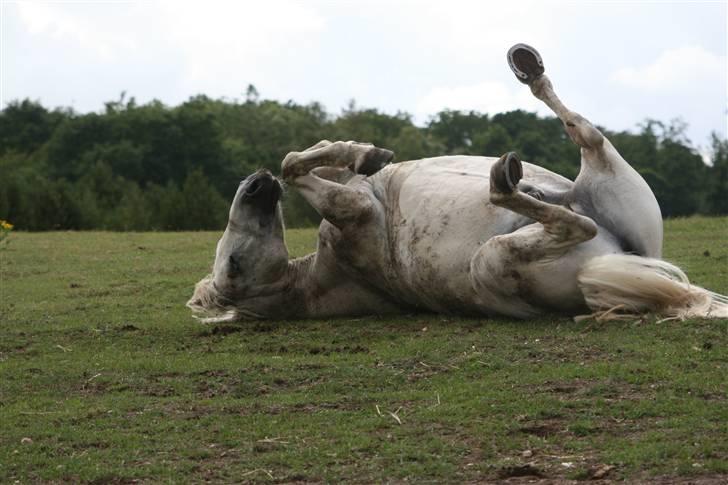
[
  {"x": 607, "y": 188},
  {"x": 561, "y": 227},
  {"x": 527, "y": 65},
  {"x": 505, "y": 270}
]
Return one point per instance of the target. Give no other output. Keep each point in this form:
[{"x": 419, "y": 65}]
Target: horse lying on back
[{"x": 455, "y": 234}]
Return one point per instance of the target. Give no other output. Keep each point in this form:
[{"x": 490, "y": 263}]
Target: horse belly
[
  {"x": 441, "y": 218},
  {"x": 432, "y": 216}
]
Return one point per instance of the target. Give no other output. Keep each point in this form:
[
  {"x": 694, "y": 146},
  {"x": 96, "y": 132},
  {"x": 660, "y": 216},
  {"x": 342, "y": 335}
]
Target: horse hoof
[
  {"x": 506, "y": 173},
  {"x": 525, "y": 62},
  {"x": 374, "y": 160}
]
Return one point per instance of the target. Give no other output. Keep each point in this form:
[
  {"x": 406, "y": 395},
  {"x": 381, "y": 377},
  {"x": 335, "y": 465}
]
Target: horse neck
[
  {"x": 308, "y": 292},
  {"x": 319, "y": 288}
]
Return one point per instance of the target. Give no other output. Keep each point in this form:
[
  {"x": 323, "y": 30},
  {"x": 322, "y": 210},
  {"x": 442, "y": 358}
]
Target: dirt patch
[
  {"x": 210, "y": 373},
  {"x": 698, "y": 480},
  {"x": 246, "y": 382},
  {"x": 310, "y": 366},
  {"x": 415, "y": 370},
  {"x": 263, "y": 327},
  {"x": 208, "y": 391},
  {"x": 356, "y": 349},
  {"x": 345, "y": 405},
  {"x": 581, "y": 389},
  {"x": 97, "y": 445},
  {"x": 543, "y": 429},
  {"x": 105, "y": 479},
  {"x": 277, "y": 409},
  {"x": 525, "y": 470},
  {"x": 221, "y": 330},
  {"x": 308, "y": 408},
  {"x": 158, "y": 391}
]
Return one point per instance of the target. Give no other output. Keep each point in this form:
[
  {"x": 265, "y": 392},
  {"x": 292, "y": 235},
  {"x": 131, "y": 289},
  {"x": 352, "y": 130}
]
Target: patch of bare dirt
[
  {"x": 717, "y": 479},
  {"x": 524, "y": 470},
  {"x": 415, "y": 370},
  {"x": 355, "y": 349},
  {"x": 221, "y": 330},
  {"x": 543, "y": 429}
]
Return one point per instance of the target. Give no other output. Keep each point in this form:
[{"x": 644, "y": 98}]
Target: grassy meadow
[{"x": 106, "y": 378}]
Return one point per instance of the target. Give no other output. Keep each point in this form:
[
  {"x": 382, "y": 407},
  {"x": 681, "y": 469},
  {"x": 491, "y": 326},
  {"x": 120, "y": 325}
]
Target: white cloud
[
  {"x": 487, "y": 97},
  {"x": 56, "y": 21},
  {"x": 216, "y": 35},
  {"x": 420, "y": 56},
  {"x": 468, "y": 31},
  {"x": 676, "y": 69},
  {"x": 168, "y": 49}
]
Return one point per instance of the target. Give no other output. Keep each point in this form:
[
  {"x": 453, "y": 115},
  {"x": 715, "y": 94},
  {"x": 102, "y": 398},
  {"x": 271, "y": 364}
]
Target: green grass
[{"x": 105, "y": 377}]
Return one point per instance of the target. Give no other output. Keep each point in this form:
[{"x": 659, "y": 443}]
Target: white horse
[{"x": 455, "y": 234}]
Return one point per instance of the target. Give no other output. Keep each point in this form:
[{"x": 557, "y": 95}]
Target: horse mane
[{"x": 208, "y": 305}]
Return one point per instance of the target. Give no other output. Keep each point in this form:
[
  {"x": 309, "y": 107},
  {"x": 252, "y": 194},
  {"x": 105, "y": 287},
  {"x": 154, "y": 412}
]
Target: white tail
[{"x": 618, "y": 286}]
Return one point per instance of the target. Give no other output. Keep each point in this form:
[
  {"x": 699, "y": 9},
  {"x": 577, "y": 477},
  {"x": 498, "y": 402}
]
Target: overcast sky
[{"x": 616, "y": 63}]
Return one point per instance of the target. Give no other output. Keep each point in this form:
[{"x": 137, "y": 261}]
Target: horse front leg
[
  {"x": 323, "y": 174},
  {"x": 359, "y": 158}
]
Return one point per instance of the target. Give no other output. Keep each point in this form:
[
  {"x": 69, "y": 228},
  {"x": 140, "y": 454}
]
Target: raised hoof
[
  {"x": 525, "y": 62},
  {"x": 373, "y": 161},
  {"x": 506, "y": 173}
]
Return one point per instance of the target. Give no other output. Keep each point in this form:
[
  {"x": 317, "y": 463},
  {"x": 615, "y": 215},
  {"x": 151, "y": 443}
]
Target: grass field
[{"x": 105, "y": 377}]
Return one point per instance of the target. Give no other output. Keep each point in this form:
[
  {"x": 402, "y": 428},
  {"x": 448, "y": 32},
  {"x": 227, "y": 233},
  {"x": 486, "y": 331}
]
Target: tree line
[{"x": 156, "y": 167}]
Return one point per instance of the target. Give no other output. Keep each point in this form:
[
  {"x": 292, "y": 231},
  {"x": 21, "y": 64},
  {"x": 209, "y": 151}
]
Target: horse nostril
[{"x": 253, "y": 187}]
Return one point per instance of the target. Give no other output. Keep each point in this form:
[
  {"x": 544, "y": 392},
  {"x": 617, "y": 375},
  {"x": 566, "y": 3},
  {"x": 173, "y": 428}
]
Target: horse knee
[
  {"x": 582, "y": 132},
  {"x": 489, "y": 262},
  {"x": 498, "y": 274},
  {"x": 347, "y": 206},
  {"x": 566, "y": 227},
  {"x": 290, "y": 168}
]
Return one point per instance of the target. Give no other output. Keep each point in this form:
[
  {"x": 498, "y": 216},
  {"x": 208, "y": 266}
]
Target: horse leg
[
  {"x": 322, "y": 174},
  {"x": 607, "y": 188},
  {"x": 507, "y": 270},
  {"x": 561, "y": 227},
  {"x": 526, "y": 63},
  {"x": 359, "y": 158}
]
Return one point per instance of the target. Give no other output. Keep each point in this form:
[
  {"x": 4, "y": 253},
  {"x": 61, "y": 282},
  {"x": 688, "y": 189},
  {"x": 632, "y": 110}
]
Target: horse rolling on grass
[{"x": 461, "y": 235}]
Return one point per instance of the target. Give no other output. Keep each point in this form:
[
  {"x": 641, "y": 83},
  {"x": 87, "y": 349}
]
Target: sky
[{"x": 617, "y": 63}]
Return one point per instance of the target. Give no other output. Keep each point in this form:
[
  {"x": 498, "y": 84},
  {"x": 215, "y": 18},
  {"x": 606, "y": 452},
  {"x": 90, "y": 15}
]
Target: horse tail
[{"x": 619, "y": 286}]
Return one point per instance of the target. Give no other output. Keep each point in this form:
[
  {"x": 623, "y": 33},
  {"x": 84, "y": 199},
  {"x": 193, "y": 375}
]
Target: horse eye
[{"x": 234, "y": 268}]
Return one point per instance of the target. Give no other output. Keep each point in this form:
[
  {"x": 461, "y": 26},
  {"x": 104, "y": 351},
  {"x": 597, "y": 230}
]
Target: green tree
[
  {"x": 26, "y": 125},
  {"x": 717, "y": 199},
  {"x": 153, "y": 166},
  {"x": 202, "y": 206},
  {"x": 412, "y": 143},
  {"x": 456, "y": 130}
]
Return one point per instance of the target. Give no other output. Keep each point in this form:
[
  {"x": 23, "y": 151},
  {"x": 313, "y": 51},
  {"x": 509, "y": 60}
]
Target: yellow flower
[{"x": 5, "y": 225}]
